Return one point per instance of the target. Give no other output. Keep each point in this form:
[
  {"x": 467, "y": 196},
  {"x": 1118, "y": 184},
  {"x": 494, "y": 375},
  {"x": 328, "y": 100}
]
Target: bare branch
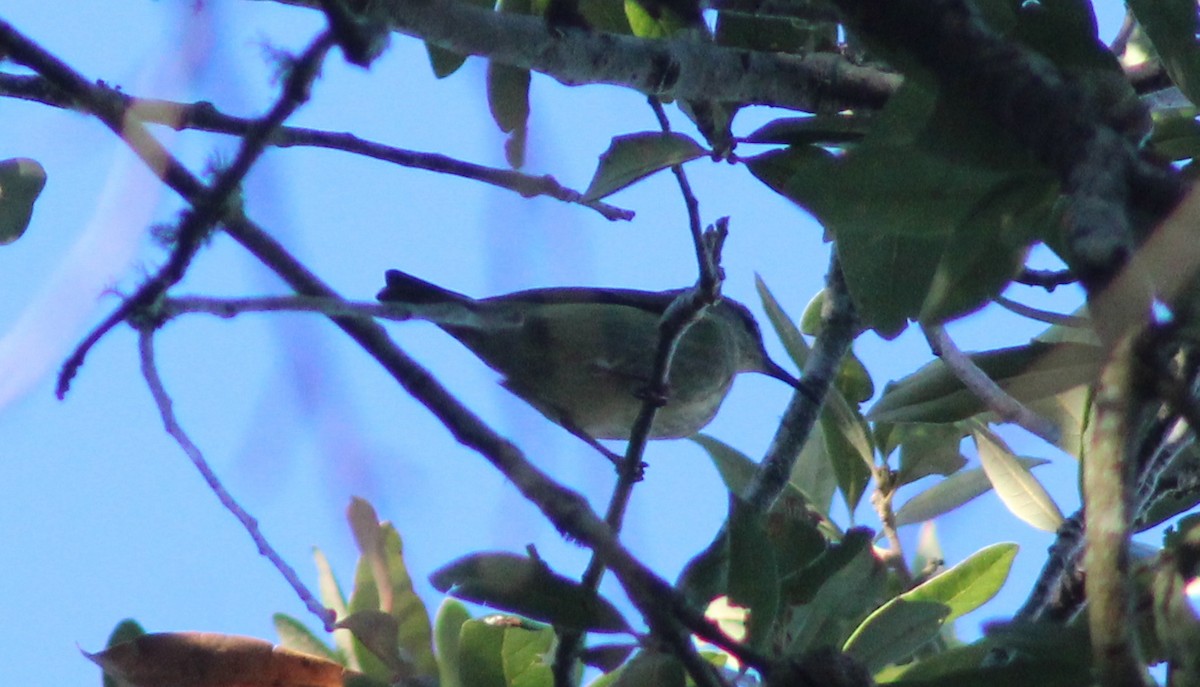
[
  {"x": 203, "y": 116},
  {"x": 996, "y": 399},
  {"x": 1040, "y": 315},
  {"x": 161, "y": 399},
  {"x": 438, "y": 313},
  {"x": 210, "y": 205}
]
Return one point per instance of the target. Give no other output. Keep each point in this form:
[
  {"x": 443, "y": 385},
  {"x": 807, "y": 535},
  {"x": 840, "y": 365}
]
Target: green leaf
[
  {"x": 447, "y": 631},
  {"x": 848, "y": 590},
  {"x": 927, "y": 449},
  {"x": 906, "y": 200},
  {"x": 794, "y": 537},
  {"x": 662, "y": 18},
  {"x": 828, "y": 129},
  {"x": 390, "y": 589},
  {"x": 21, "y": 181},
  {"x": 1029, "y": 372},
  {"x": 126, "y": 631},
  {"x": 970, "y": 584},
  {"x": 990, "y": 246},
  {"x": 527, "y": 586},
  {"x": 293, "y": 634},
  {"x": 1046, "y": 655},
  {"x": 445, "y": 62},
  {"x": 524, "y": 654},
  {"x": 773, "y": 33},
  {"x": 1016, "y": 486},
  {"x": 951, "y": 493},
  {"x": 651, "y": 669},
  {"x": 850, "y": 451},
  {"x": 888, "y": 223},
  {"x": 1172, "y": 26},
  {"x": 902, "y": 625},
  {"x": 508, "y": 100},
  {"x": 784, "y": 326},
  {"x": 332, "y": 598},
  {"x": 853, "y": 380},
  {"x": 480, "y": 652},
  {"x": 1176, "y": 133},
  {"x": 635, "y": 156},
  {"x": 379, "y": 633},
  {"x": 753, "y": 572},
  {"x": 813, "y": 473},
  {"x": 811, "y": 487},
  {"x": 894, "y": 631}
]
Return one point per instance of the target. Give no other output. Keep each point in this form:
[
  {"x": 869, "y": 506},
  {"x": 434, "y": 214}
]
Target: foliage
[{"x": 932, "y": 203}]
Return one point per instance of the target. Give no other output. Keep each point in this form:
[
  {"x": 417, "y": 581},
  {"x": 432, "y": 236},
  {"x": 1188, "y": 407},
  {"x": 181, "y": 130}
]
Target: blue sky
[{"x": 101, "y": 515}]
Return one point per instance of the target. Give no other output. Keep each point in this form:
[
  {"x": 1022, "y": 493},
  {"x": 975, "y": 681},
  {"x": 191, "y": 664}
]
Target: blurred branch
[
  {"x": 210, "y": 205},
  {"x": 438, "y": 313},
  {"x": 163, "y": 401},
  {"x": 839, "y": 326},
  {"x": 1053, "y": 318},
  {"x": 976, "y": 380},
  {"x": 1108, "y": 526},
  {"x": 676, "y": 68},
  {"x": 204, "y": 116},
  {"x": 1058, "y": 591},
  {"x": 881, "y": 498}
]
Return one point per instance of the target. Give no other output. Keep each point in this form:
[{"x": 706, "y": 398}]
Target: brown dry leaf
[{"x": 208, "y": 659}]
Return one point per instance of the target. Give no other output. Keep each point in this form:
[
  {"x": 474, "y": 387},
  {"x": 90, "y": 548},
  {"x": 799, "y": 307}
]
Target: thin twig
[
  {"x": 686, "y": 309},
  {"x": 995, "y": 398},
  {"x": 567, "y": 510},
  {"x": 1040, "y": 315},
  {"x": 438, "y": 313},
  {"x": 162, "y": 400},
  {"x": 203, "y": 116},
  {"x": 881, "y": 499},
  {"x": 210, "y": 205}
]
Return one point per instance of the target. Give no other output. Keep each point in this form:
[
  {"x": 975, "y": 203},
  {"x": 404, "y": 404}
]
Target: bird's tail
[{"x": 405, "y": 288}]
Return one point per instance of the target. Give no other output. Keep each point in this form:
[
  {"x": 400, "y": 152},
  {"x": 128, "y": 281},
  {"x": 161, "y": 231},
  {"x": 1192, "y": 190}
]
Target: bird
[{"x": 583, "y": 356}]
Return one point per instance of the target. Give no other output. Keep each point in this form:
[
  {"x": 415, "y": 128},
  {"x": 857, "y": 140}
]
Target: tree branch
[
  {"x": 163, "y": 401},
  {"x": 203, "y": 116},
  {"x": 996, "y": 399},
  {"x": 210, "y": 205},
  {"x": 686, "y": 309},
  {"x": 1108, "y": 518},
  {"x": 839, "y": 324},
  {"x": 677, "y": 68}
]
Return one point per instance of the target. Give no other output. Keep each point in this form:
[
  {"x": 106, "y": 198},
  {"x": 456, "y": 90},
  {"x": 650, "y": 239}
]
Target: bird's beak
[{"x": 772, "y": 369}]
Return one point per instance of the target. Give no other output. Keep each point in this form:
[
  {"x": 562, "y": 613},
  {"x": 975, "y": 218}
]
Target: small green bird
[{"x": 583, "y": 356}]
